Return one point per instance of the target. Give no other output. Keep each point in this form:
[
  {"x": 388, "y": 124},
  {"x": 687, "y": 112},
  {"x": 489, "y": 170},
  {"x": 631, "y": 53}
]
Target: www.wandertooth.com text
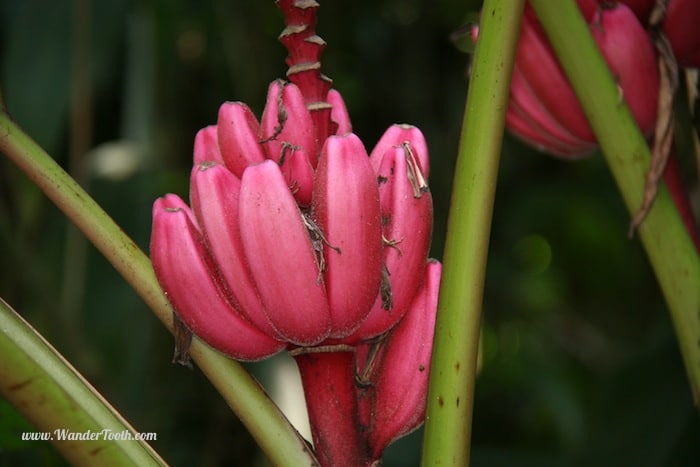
[{"x": 89, "y": 435}]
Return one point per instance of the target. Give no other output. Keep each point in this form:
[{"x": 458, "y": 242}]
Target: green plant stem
[
  {"x": 665, "y": 239},
  {"x": 454, "y": 361},
  {"x": 53, "y": 396},
  {"x": 277, "y": 438}
]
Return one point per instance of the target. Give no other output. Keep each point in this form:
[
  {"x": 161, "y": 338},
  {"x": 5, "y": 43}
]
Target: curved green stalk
[
  {"x": 56, "y": 399},
  {"x": 668, "y": 246},
  {"x": 454, "y": 362},
  {"x": 278, "y": 439}
]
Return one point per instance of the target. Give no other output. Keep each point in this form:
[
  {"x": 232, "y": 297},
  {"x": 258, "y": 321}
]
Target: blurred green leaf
[{"x": 53, "y": 396}]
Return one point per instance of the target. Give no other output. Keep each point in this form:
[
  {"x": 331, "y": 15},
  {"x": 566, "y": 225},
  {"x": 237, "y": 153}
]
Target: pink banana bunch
[
  {"x": 543, "y": 109},
  {"x": 680, "y": 25},
  {"x": 679, "y": 22},
  {"x": 344, "y": 269},
  {"x": 545, "y": 112},
  {"x": 296, "y": 238},
  {"x": 392, "y": 398}
]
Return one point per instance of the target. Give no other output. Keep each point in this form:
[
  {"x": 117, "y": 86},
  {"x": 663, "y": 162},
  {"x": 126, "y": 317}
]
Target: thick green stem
[
  {"x": 56, "y": 399},
  {"x": 665, "y": 239},
  {"x": 454, "y": 361},
  {"x": 278, "y": 439}
]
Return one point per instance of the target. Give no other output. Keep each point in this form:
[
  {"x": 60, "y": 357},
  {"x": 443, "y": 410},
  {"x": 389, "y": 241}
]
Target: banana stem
[
  {"x": 454, "y": 361},
  {"x": 329, "y": 388},
  {"x": 663, "y": 234}
]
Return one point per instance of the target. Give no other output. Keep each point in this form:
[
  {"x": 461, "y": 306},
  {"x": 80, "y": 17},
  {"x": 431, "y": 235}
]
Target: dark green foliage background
[{"x": 580, "y": 366}]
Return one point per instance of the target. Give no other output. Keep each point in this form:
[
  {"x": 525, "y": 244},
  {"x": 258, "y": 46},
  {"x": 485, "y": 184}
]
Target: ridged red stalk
[
  {"x": 329, "y": 389},
  {"x": 304, "y": 61}
]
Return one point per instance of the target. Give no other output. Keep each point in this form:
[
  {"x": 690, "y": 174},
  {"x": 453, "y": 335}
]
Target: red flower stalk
[
  {"x": 297, "y": 238},
  {"x": 304, "y": 60},
  {"x": 329, "y": 388}
]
